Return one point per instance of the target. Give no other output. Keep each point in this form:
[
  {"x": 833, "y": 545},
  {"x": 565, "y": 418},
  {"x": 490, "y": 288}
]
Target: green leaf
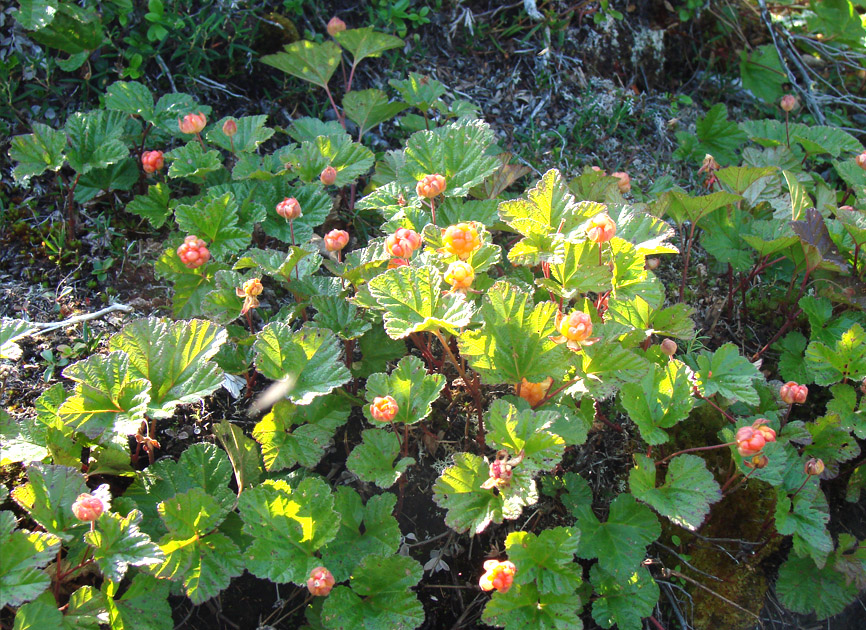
[
  {"x": 721, "y": 238},
  {"x": 514, "y": 342},
  {"x": 380, "y": 596},
  {"x": 37, "y": 152},
  {"x": 457, "y": 151},
  {"x": 243, "y": 453},
  {"x": 547, "y": 560},
  {"x": 805, "y": 517},
  {"x": 21, "y": 441},
  {"x": 637, "y": 313},
  {"x": 12, "y": 330},
  {"x": 117, "y": 543},
  {"x": 306, "y": 60},
  {"x": 412, "y": 388},
  {"x": 578, "y": 271},
  {"x": 719, "y": 136},
  {"x": 847, "y": 360},
  {"x": 202, "y": 466},
  {"x": 365, "y": 42},
  {"x": 620, "y": 543},
  {"x": 647, "y": 233},
  {"x": 288, "y": 526},
  {"x": 381, "y": 533},
  {"x": 309, "y": 359},
  {"x": 291, "y": 435},
  {"x": 39, "y": 614},
  {"x": 174, "y": 358},
  {"x": 24, "y": 555},
  {"x": 216, "y": 222},
  {"x": 762, "y": 73},
  {"x": 687, "y": 493},
  {"x": 524, "y": 607},
  {"x": 74, "y": 30},
  {"x": 623, "y": 602},
  {"x": 817, "y": 139},
  {"x": 144, "y": 605},
  {"x": 526, "y": 432},
  {"x": 369, "y": 108},
  {"x": 373, "y": 459},
  {"x": 36, "y": 14},
  {"x": 192, "y": 161},
  {"x": 108, "y": 400},
  {"x": 728, "y": 373},
  {"x": 87, "y": 606},
  {"x": 377, "y": 350},
  {"x": 681, "y": 207},
  {"x": 250, "y": 134},
  {"x": 154, "y": 206},
  {"x": 202, "y": 560},
  {"x": 95, "y": 140},
  {"x": 419, "y": 90},
  {"x": 308, "y": 129},
  {"x": 48, "y": 497},
  {"x": 121, "y": 175},
  {"x": 350, "y": 159},
  {"x": 190, "y": 285},
  {"x": 340, "y": 316},
  {"x": 659, "y": 401},
  {"x": 805, "y": 588},
  {"x": 414, "y": 302},
  {"x": 130, "y": 97},
  {"x": 471, "y": 507}
]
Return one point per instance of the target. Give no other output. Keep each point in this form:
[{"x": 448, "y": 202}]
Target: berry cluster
[
  {"x": 193, "y": 252},
  {"x": 403, "y": 243},
  {"x": 497, "y": 575},
  {"x": 384, "y": 408},
  {"x": 752, "y": 439},
  {"x": 461, "y": 240}
]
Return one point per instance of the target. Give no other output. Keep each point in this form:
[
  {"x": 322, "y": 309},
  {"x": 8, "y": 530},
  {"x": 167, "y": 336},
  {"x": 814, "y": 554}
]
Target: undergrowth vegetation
[{"x": 434, "y": 322}]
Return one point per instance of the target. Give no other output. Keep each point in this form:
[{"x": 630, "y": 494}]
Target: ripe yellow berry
[
  {"x": 460, "y": 275},
  {"x": 461, "y": 240}
]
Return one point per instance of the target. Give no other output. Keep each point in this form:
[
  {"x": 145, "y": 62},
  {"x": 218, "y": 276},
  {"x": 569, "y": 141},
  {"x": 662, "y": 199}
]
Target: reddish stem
[{"x": 695, "y": 450}]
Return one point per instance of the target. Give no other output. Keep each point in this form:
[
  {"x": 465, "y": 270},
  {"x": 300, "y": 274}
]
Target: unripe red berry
[
  {"x": 336, "y": 25},
  {"x": 152, "y": 161},
  {"x": 599, "y": 170},
  {"x": 751, "y": 440},
  {"x": 403, "y": 243},
  {"x": 624, "y": 183},
  {"x": 788, "y": 103},
  {"x": 861, "y": 160},
  {"x": 193, "y": 252},
  {"x": 384, "y": 408},
  {"x": 192, "y": 123},
  {"x": 792, "y": 393},
  {"x": 669, "y": 347},
  {"x": 430, "y": 186},
  {"x": 230, "y": 127},
  {"x": 335, "y": 240},
  {"x": 88, "y": 507},
  {"x": 600, "y": 229},
  {"x": 328, "y": 175},
  {"x": 289, "y": 209},
  {"x": 813, "y": 467},
  {"x": 652, "y": 263},
  {"x": 320, "y": 582},
  {"x": 497, "y": 575},
  {"x": 397, "y": 262}
]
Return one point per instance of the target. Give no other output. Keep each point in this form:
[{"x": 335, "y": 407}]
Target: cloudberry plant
[
  {"x": 328, "y": 176},
  {"x": 193, "y": 252},
  {"x": 669, "y": 347},
  {"x": 500, "y": 469},
  {"x": 250, "y": 292},
  {"x": 600, "y": 229},
  {"x": 752, "y": 439},
  {"x": 792, "y": 393},
  {"x": 461, "y": 240},
  {"x": 459, "y": 275},
  {"x": 87, "y": 507},
  {"x": 403, "y": 243},
  {"x": 152, "y": 161},
  {"x": 757, "y": 461},
  {"x": 624, "y": 183},
  {"x": 861, "y": 160},
  {"x": 335, "y": 25},
  {"x": 813, "y": 467},
  {"x": 533, "y": 393},
  {"x": 290, "y": 209},
  {"x": 335, "y": 240},
  {"x": 230, "y": 127},
  {"x": 384, "y": 408},
  {"x": 788, "y": 103},
  {"x": 575, "y": 329},
  {"x": 320, "y": 582},
  {"x": 430, "y": 186},
  {"x": 192, "y": 124},
  {"x": 498, "y": 575}
]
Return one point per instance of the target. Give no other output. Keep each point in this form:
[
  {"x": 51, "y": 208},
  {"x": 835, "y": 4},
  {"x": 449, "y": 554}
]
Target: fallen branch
[{"x": 49, "y": 326}]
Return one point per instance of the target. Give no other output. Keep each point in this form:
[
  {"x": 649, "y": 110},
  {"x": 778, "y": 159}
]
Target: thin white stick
[{"x": 49, "y": 326}]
